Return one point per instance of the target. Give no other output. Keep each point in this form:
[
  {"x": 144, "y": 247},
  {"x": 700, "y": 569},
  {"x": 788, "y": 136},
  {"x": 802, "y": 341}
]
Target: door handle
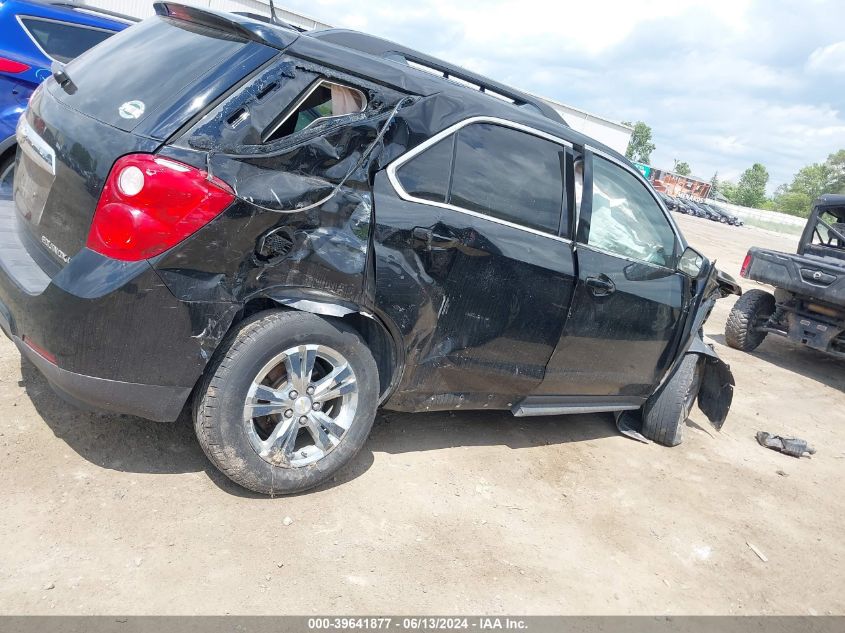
[
  {"x": 600, "y": 286},
  {"x": 430, "y": 239}
]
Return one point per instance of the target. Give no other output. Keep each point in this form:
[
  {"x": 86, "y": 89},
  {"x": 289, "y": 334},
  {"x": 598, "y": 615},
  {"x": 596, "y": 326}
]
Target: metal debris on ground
[{"x": 794, "y": 446}]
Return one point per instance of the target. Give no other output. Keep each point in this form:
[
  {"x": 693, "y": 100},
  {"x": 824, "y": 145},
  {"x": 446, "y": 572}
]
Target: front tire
[
  {"x": 750, "y": 311},
  {"x": 665, "y": 412},
  {"x": 289, "y": 399}
]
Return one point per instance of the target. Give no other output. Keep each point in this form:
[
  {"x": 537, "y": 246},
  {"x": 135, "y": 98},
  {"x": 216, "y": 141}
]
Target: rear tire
[
  {"x": 666, "y": 412},
  {"x": 319, "y": 386},
  {"x": 749, "y": 310}
]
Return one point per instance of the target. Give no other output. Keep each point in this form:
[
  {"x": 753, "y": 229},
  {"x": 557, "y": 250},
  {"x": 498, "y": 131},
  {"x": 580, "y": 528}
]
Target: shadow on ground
[
  {"x": 799, "y": 359},
  {"x": 129, "y": 444}
]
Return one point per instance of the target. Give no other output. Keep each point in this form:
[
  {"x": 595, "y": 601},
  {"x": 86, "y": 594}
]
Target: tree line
[{"x": 795, "y": 198}]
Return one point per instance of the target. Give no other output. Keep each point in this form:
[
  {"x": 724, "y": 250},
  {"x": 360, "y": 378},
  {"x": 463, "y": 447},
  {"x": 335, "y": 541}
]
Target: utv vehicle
[
  {"x": 287, "y": 231},
  {"x": 808, "y": 304}
]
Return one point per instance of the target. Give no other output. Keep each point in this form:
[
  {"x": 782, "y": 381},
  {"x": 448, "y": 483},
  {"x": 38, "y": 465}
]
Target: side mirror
[
  {"x": 691, "y": 263},
  {"x": 637, "y": 271}
]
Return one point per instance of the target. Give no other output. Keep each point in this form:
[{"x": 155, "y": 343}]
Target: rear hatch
[{"x": 126, "y": 95}]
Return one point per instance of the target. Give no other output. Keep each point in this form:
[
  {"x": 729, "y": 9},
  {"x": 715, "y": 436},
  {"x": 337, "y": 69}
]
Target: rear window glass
[
  {"x": 63, "y": 41},
  {"x": 143, "y": 68}
]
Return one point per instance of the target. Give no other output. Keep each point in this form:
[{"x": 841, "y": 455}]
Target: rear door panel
[{"x": 482, "y": 312}]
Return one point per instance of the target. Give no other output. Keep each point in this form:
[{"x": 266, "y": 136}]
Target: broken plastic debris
[
  {"x": 794, "y": 446},
  {"x": 760, "y": 554},
  {"x": 629, "y": 423}
]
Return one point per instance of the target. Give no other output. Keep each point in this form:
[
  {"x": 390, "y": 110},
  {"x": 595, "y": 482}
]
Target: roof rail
[
  {"x": 270, "y": 34},
  {"x": 88, "y": 9},
  {"x": 390, "y": 50}
]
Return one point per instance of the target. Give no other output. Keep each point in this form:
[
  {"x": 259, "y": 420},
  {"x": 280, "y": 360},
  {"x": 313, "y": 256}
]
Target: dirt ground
[{"x": 441, "y": 513}]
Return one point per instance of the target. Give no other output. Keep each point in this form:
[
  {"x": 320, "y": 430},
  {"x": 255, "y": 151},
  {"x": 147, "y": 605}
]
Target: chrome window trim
[
  {"x": 20, "y": 18},
  {"x": 303, "y": 97},
  {"x": 419, "y": 149}
]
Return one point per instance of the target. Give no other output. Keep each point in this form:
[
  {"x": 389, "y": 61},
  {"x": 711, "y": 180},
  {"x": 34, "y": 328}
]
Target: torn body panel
[{"x": 717, "y": 382}]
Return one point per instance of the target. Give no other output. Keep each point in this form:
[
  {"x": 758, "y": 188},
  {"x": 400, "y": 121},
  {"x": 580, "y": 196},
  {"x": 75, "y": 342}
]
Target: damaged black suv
[{"x": 290, "y": 230}]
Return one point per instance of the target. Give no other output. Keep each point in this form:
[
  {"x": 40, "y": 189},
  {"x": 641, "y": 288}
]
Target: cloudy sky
[{"x": 723, "y": 83}]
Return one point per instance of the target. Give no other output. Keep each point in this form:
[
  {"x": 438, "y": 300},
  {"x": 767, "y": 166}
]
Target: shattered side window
[
  {"x": 626, "y": 220},
  {"x": 323, "y": 100},
  {"x": 426, "y": 176}
]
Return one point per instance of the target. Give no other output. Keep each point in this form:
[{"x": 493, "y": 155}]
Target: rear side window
[
  {"x": 323, "y": 100},
  {"x": 426, "y": 176},
  {"x": 145, "y": 67},
  {"x": 509, "y": 175},
  {"x": 493, "y": 170},
  {"x": 63, "y": 41}
]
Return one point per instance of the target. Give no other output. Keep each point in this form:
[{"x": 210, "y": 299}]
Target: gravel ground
[{"x": 441, "y": 512}]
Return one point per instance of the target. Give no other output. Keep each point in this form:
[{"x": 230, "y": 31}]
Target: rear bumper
[
  {"x": 153, "y": 402},
  {"x": 110, "y": 335}
]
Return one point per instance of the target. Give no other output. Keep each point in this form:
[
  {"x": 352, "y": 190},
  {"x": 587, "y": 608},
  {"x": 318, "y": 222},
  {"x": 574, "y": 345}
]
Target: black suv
[{"x": 290, "y": 230}]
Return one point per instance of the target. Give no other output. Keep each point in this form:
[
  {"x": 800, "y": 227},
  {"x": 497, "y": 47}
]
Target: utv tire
[
  {"x": 752, "y": 307},
  {"x": 665, "y": 413},
  {"x": 237, "y": 385}
]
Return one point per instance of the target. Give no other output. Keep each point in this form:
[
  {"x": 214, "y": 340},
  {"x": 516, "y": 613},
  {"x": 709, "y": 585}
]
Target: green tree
[
  {"x": 812, "y": 180},
  {"x": 682, "y": 168},
  {"x": 793, "y": 203},
  {"x": 751, "y": 189},
  {"x": 640, "y": 146},
  {"x": 729, "y": 190},
  {"x": 836, "y": 165},
  {"x": 714, "y": 181}
]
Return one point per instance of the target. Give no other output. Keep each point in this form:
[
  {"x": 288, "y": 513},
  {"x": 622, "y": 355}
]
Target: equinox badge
[{"x": 54, "y": 249}]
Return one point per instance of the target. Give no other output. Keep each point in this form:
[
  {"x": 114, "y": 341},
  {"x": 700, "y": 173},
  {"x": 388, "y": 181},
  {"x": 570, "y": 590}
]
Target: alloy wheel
[{"x": 300, "y": 405}]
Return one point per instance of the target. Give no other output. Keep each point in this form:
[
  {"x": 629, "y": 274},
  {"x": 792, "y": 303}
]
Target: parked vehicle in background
[
  {"x": 733, "y": 219},
  {"x": 668, "y": 200},
  {"x": 294, "y": 229},
  {"x": 808, "y": 305},
  {"x": 683, "y": 207},
  {"x": 720, "y": 214},
  {"x": 34, "y": 35}
]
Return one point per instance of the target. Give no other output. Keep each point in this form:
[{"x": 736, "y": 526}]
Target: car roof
[
  {"x": 68, "y": 12},
  {"x": 388, "y": 63},
  {"x": 416, "y": 72}
]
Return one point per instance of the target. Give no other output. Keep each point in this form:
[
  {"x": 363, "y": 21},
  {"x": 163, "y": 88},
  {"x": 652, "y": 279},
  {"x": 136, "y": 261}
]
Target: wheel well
[
  {"x": 375, "y": 335},
  {"x": 9, "y": 152}
]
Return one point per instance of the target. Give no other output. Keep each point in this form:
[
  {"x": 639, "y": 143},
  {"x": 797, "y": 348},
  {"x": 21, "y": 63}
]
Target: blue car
[{"x": 34, "y": 35}]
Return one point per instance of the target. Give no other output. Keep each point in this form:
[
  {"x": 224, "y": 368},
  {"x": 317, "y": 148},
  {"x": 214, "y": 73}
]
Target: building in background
[
  {"x": 676, "y": 185},
  {"x": 611, "y": 133}
]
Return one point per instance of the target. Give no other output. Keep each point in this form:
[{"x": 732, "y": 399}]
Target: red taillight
[
  {"x": 743, "y": 272},
  {"x": 149, "y": 204},
  {"x": 11, "y": 66}
]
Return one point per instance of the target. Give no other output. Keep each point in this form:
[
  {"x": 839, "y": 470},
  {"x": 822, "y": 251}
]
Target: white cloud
[
  {"x": 828, "y": 59},
  {"x": 723, "y": 83}
]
